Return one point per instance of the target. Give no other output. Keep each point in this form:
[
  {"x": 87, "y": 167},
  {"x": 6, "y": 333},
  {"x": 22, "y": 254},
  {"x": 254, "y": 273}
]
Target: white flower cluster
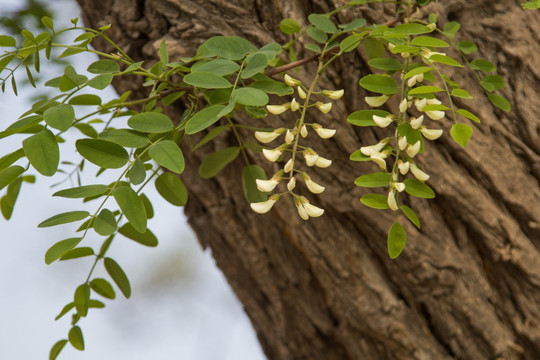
[
  {"x": 405, "y": 151},
  {"x": 290, "y": 144}
]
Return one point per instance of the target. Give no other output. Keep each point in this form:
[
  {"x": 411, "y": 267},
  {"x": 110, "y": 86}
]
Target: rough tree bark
[{"x": 468, "y": 283}]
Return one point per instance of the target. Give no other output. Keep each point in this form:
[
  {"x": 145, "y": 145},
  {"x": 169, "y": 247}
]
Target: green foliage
[{"x": 228, "y": 76}]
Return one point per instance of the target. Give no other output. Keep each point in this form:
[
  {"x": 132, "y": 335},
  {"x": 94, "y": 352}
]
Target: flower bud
[
  {"x": 300, "y": 207},
  {"x": 379, "y": 160},
  {"x": 391, "y": 200},
  {"x": 289, "y": 137},
  {"x": 399, "y": 186},
  {"x": 291, "y": 184},
  {"x": 376, "y": 101},
  {"x": 373, "y": 149},
  {"x": 278, "y": 109},
  {"x": 403, "y": 167},
  {"x": 303, "y": 131},
  {"x": 266, "y": 137},
  {"x": 288, "y": 166},
  {"x": 324, "y": 108},
  {"x": 403, "y": 105},
  {"x": 313, "y": 210},
  {"x": 294, "y": 105},
  {"x": 301, "y": 93},
  {"x": 402, "y": 143},
  {"x": 431, "y": 26},
  {"x": 333, "y": 94},
  {"x": 289, "y": 80}
]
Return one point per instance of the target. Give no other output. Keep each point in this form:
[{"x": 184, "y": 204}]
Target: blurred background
[{"x": 181, "y": 305}]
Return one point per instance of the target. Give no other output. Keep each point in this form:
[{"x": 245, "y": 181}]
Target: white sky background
[{"x": 181, "y": 306}]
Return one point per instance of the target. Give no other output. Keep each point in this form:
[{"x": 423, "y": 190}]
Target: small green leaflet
[
  {"x": 105, "y": 223},
  {"x": 64, "y": 218},
  {"x": 467, "y": 47},
  {"x": 396, "y": 240},
  {"x": 417, "y": 71},
  {"x": 211, "y": 135},
  {"x": 411, "y": 215},
  {"x": 350, "y": 43},
  {"x": 287, "y": 26},
  {"x": 82, "y": 191},
  {"x": 411, "y": 29},
  {"x": 461, "y": 133},
  {"x": 125, "y": 137},
  {"x": 10, "y": 174},
  {"x": 85, "y": 99},
  {"x": 56, "y": 349},
  {"x": 375, "y": 201},
  {"x": 386, "y": 64},
  {"x": 464, "y": 94},
  {"x": 254, "y": 64},
  {"x": 7, "y": 41},
  {"x": 451, "y": 28},
  {"x": 42, "y": 151},
  {"x": 82, "y": 299},
  {"x": 204, "y": 118},
  {"x": 101, "y": 81},
  {"x": 220, "y": 67},
  {"x": 76, "y": 253},
  {"x": 172, "y": 189},
  {"x": 104, "y": 66},
  {"x": 443, "y": 59},
  {"x": 482, "y": 65},
  {"x": 359, "y": 156},
  {"x": 215, "y": 162},
  {"x": 167, "y": 154},
  {"x": 207, "y": 80},
  {"x": 132, "y": 207},
  {"x": 249, "y": 174},
  {"x": 229, "y": 47},
  {"x": 500, "y": 102},
  {"x": 382, "y": 84},
  {"x": 103, "y": 288},
  {"x": 103, "y": 153},
  {"x": 60, "y": 248},
  {"x": 468, "y": 115},
  {"x": 75, "y": 337},
  {"x": 373, "y": 180},
  {"x": 150, "y": 122},
  {"x": 429, "y": 41},
  {"x": 146, "y": 238},
  {"x": 273, "y": 87},
  {"x": 426, "y": 89},
  {"x": 118, "y": 275},
  {"x": 492, "y": 82},
  {"x": 322, "y": 23},
  {"x": 251, "y": 96},
  {"x": 417, "y": 188},
  {"x": 365, "y": 117},
  {"x": 60, "y": 117},
  {"x": 137, "y": 172}
]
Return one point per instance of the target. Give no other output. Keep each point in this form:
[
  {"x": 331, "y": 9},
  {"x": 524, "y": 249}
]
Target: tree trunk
[{"x": 467, "y": 285}]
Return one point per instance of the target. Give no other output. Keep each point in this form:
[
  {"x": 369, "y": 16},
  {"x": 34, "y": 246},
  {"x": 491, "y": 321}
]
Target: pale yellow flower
[
  {"x": 333, "y": 94},
  {"x": 324, "y": 108},
  {"x": 289, "y": 80},
  {"x": 376, "y": 101},
  {"x": 419, "y": 174},
  {"x": 431, "y": 134}
]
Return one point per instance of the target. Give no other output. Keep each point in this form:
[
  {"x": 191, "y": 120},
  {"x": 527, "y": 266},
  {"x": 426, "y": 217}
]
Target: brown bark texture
[{"x": 468, "y": 283}]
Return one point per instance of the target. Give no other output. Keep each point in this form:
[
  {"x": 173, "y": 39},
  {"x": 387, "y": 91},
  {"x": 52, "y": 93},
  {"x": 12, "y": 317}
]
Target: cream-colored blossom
[
  {"x": 303, "y": 131},
  {"x": 266, "y": 185},
  {"x": 278, "y": 109},
  {"x": 431, "y": 134},
  {"x": 323, "y": 162},
  {"x": 391, "y": 200},
  {"x": 324, "y": 108},
  {"x": 368, "y": 150},
  {"x": 310, "y": 156},
  {"x": 266, "y": 137},
  {"x": 431, "y": 26},
  {"x": 403, "y": 167},
  {"x": 272, "y": 154},
  {"x": 333, "y": 94},
  {"x": 402, "y": 143},
  {"x": 412, "y": 150},
  {"x": 301, "y": 210},
  {"x": 399, "y": 186},
  {"x": 289, "y": 80},
  {"x": 419, "y": 174},
  {"x": 291, "y": 184},
  {"x": 301, "y": 92},
  {"x": 264, "y": 206},
  {"x": 435, "y": 114},
  {"x": 383, "y": 121},
  {"x": 420, "y": 103},
  {"x": 288, "y": 166},
  {"x": 322, "y": 132},
  {"x": 417, "y": 122},
  {"x": 376, "y": 101},
  {"x": 289, "y": 137},
  {"x": 403, "y": 105},
  {"x": 379, "y": 160},
  {"x": 313, "y": 210},
  {"x": 294, "y": 105},
  {"x": 312, "y": 185}
]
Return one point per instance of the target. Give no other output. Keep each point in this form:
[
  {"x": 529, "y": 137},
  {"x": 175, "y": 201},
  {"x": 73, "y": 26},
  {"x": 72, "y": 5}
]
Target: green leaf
[
  {"x": 417, "y": 188},
  {"x": 146, "y": 238},
  {"x": 82, "y": 299},
  {"x": 317, "y": 35},
  {"x": 85, "y": 99},
  {"x": 254, "y": 64},
  {"x": 163, "y": 54},
  {"x": 350, "y": 43},
  {"x": 375, "y": 201},
  {"x": 492, "y": 82},
  {"x": 204, "y": 118},
  {"x": 64, "y": 218},
  {"x": 287, "y": 26},
  {"x": 118, "y": 275},
  {"x": 359, "y": 156},
  {"x": 249, "y": 174},
  {"x": 229, "y": 47},
  {"x": 411, "y": 215},
  {"x": 56, "y": 349},
  {"x": 101, "y": 81},
  {"x": 313, "y": 47},
  {"x": 103, "y": 153},
  {"x": 105, "y": 66},
  {"x": 172, "y": 189},
  {"x": 10, "y": 174},
  {"x": 464, "y": 94},
  {"x": 137, "y": 172},
  {"x": 468, "y": 115},
  {"x": 411, "y": 29},
  {"x": 386, "y": 64},
  {"x": 413, "y": 135},
  {"x": 7, "y": 203},
  {"x": 322, "y": 23},
  {"x": 60, "y": 248},
  {"x": 426, "y": 89},
  {"x": 150, "y": 122},
  {"x": 429, "y": 41},
  {"x": 417, "y": 71},
  {"x": 461, "y": 133},
  {"x": 167, "y": 154},
  {"x": 396, "y": 240},
  {"x": 147, "y": 206},
  {"x": 251, "y": 96},
  {"x": 211, "y": 135},
  {"x": 7, "y": 41},
  {"x": 60, "y": 117},
  {"x": 105, "y": 223},
  {"x": 355, "y": 24},
  {"x": 125, "y": 137},
  {"x": 132, "y": 207},
  {"x": 451, "y": 28},
  {"x": 380, "y": 84},
  {"x": 373, "y": 180},
  {"x": 443, "y": 59},
  {"x": 220, "y": 67},
  {"x": 500, "y": 102},
  {"x": 75, "y": 337},
  {"x": 273, "y": 87},
  {"x": 82, "y": 191},
  {"x": 42, "y": 151},
  {"x": 65, "y": 310},
  {"x": 76, "y": 253},
  {"x": 96, "y": 304},
  {"x": 9, "y": 159},
  {"x": 215, "y": 162},
  {"x": 467, "y": 47},
  {"x": 103, "y": 288},
  {"x": 365, "y": 117}
]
